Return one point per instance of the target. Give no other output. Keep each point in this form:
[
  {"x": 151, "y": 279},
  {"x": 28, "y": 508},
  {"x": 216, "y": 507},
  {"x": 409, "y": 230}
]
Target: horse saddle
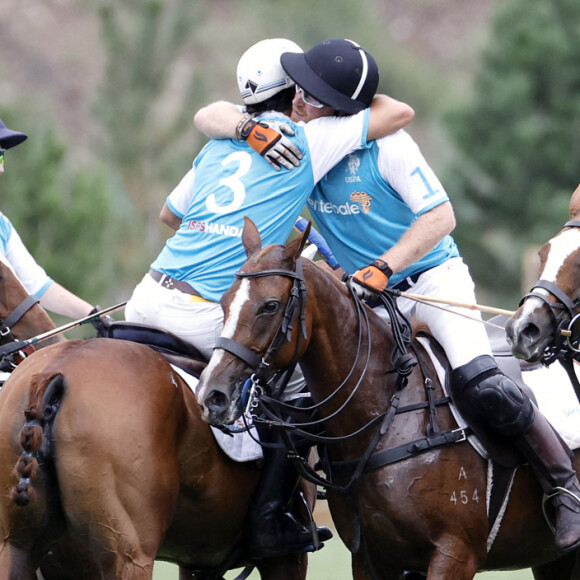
[{"x": 177, "y": 351}]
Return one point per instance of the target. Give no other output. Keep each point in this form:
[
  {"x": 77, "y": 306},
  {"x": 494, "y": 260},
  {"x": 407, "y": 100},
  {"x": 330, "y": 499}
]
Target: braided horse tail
[{"x": 45, "y": 396}]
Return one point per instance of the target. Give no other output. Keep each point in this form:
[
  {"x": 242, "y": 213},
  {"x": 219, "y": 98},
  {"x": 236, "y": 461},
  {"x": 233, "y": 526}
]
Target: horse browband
[
  {"x": 264, "y": 273},
  {"x": 284, "y": 331}
]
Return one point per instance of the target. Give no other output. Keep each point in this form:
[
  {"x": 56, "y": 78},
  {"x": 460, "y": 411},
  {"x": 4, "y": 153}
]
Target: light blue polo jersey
[
  {"x": 14, "y": 252},
  {"x": 361, "y": 214},
  {"x": 231, "y": 181}
]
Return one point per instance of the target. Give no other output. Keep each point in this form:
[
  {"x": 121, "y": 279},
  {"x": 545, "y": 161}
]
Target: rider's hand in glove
[
  {"x": 374, "y": 277},
  {"x": 101, "y": 323},
  {"x": 270, "y": 140}
]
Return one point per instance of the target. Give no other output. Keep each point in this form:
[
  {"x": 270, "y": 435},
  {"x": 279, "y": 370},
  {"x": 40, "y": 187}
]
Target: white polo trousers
[
  {"x": 196, "y": 321},
  {"x": 460, "y": 331}
]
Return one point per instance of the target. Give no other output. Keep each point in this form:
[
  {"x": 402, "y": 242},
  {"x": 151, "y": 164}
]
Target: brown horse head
[
  {"x": 553, "y": 301},
  {"x": 33, "y": 321},
  {"x": 254, "y": 309},
  {"x": 339, "y": 345}
]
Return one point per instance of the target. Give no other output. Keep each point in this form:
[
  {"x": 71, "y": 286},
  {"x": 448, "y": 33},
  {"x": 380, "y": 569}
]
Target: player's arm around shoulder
[
  {"x": 387, "y": 115},
  {"x": 219, "y": 120}
]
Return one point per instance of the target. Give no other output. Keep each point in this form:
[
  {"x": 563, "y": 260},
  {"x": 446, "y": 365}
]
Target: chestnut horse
[
  {"x": 101, "y": 441},
  {"x": 22, "y": 318},
  {"x": 545, "y": 326},
  {"x": 426, "y": 513}
]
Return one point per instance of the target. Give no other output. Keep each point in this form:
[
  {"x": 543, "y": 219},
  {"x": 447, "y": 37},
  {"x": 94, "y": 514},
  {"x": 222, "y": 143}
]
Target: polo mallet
[
  {"x": 15, "y": 346},
  {"x": 316, "y": 239}
]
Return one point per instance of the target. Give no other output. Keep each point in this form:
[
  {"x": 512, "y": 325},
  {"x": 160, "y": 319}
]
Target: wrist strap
[
  {"x": 383, "y": 267},
  {"x": 244, "y": 126}
]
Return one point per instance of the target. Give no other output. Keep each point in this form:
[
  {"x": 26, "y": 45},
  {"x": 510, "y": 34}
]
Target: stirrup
[
  {"x": 316, "y": 543},
  {"x": 550, "y": 496}
]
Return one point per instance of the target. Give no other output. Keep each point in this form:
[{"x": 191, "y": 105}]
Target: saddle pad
[
  {"x": 240, "y": 447},
  {"x": 554, "y": 395}
]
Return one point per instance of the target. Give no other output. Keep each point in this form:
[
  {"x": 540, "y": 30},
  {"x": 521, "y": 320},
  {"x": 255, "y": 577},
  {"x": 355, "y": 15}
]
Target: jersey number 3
[{"x": 232, "y": 182}]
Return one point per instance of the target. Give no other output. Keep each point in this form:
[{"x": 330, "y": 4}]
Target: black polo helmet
[
  {"x": 336, "y": 72},
  {"x": 9, "y": 138}
]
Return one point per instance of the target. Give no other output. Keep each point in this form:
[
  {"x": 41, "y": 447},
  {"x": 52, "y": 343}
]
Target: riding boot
[
  {"x": 550, "y": 460},
  {"x": 274, "y": 530},
  {"x": 507, "y": 411}
]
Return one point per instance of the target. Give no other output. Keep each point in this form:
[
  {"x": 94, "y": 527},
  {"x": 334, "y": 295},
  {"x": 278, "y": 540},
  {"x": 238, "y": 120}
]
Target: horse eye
[{"x": 270, "y": 307}]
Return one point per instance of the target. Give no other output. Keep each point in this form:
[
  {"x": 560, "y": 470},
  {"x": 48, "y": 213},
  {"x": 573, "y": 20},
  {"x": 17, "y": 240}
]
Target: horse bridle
[
  {"x": 15, "y": 316},
  {"x": 295, "y": 308},
  {"x": 254, "y": 386},
  {"x": 7, "y": 362},
  {"x": 564, "y": 313}
]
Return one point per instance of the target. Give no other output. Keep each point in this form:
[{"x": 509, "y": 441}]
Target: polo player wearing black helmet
[
  {"x": 388, "y": 219},
  {"x": 337, "y": 73}
]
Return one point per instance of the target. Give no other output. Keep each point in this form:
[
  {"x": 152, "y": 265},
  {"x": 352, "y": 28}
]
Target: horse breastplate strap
[{"x": 239, "y": 350}]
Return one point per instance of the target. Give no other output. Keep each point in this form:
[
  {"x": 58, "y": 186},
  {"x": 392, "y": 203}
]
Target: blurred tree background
[
  {"x": 107, "y": 91},
  {"x": 517, "y": 140}
]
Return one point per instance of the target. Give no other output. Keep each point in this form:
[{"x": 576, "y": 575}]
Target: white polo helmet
[{"x": 260, "y": 74}]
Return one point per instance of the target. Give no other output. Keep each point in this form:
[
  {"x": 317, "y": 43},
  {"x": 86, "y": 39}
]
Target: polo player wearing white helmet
[
  {"x": 260, "y": 74},
  {"x": 228, "y": 181}
]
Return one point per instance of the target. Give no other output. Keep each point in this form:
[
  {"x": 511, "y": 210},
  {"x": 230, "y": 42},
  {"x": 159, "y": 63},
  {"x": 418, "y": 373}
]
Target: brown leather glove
[{"x": 374, "y": 277}]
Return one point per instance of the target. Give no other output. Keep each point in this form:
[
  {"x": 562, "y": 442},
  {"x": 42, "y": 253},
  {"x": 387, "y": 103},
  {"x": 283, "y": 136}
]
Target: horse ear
[
  {"x": 295, "y": 247},
  {"x": 251, "y": 237}
]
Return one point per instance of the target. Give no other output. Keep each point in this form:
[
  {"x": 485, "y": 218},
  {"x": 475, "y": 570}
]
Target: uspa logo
[{"x": 352, "y": 165}]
